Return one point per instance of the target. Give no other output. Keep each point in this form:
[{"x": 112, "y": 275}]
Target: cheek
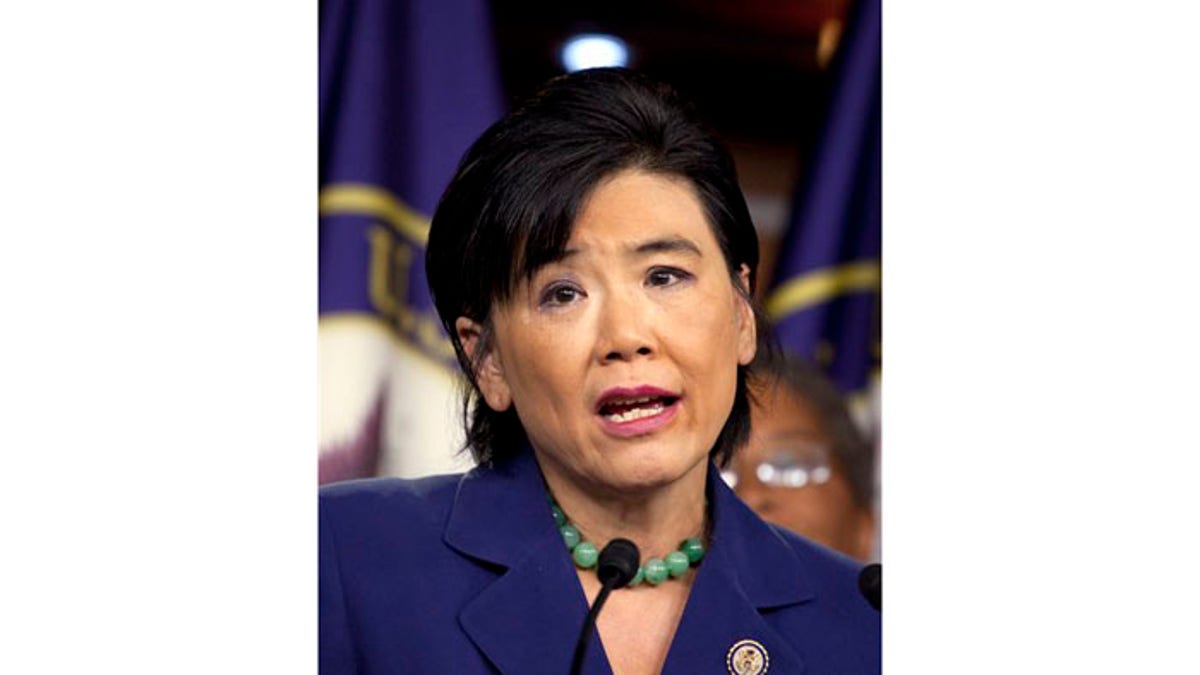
[
  {"x": 543, "y": 368},
  {"x": 532, "y": 377},
  {"x": 825, "y": 508},
  {"x": 707, "y": 342},
  {"x": 710, "y": 317}
]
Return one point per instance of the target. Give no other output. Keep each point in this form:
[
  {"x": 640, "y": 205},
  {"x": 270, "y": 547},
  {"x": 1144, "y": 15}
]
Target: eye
[
  {"x": 560, "y": 294},
  {"x": 666, "y": 276}
]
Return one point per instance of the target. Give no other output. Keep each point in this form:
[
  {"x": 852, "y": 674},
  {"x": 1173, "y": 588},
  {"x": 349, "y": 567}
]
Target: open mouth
[{"x": 620, "y": 409}]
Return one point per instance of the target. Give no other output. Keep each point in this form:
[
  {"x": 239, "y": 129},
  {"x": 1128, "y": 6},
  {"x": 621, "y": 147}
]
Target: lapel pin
[{"x": 747, "y": 657}]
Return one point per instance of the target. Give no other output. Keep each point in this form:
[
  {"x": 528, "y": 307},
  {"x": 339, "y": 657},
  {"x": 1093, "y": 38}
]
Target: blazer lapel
[
  {"x": 529, "y": 618},
  {"x": 747, "y": 570}
]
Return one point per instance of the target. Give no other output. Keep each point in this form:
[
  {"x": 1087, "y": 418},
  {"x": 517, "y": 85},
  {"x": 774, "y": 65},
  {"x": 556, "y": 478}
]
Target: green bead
[
  {"x": 570, "y": 536},
  {"x": 656, "y": 571},
  {"x": 637, "y": 578},
  {"x": 677, "y": 563},
  {"x": 693, "y": 549},
  {"x": 560, "y": 518},
  {"x": 585, "y": 554}
]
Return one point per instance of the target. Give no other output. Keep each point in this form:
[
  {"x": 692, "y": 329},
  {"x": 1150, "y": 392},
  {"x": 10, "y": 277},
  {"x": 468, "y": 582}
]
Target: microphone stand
[{"x": 617, "y": 566}]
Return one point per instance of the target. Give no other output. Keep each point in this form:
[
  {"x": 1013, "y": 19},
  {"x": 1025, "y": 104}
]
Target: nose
[{"x": 624, "y": 332}]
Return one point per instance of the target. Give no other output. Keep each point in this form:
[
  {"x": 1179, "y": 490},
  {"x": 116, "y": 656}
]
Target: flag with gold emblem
[{"x": 405, "y": 87}]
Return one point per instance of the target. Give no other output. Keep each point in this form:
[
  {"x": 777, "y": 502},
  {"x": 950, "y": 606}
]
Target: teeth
[{"x": 637, "y": 413}]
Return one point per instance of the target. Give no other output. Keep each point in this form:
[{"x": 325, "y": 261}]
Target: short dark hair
[
  {"x": 851, "y": 448},
  {"x": 512, "y": 204}
]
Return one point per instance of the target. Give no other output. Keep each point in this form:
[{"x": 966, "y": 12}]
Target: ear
[
  {"x": 747, "y": 328},
  {"x": 489, "y": 373}
]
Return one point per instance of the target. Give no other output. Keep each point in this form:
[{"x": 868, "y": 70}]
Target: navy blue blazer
[{"x": 468, "y": 574}]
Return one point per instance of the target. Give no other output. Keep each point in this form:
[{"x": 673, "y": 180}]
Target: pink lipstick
[{"x": 635, "y": 411}]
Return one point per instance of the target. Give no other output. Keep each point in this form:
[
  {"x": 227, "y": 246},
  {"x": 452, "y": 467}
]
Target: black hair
[
  {"x": 512, "y": 204},
  {"x": 851, "y": 448}
]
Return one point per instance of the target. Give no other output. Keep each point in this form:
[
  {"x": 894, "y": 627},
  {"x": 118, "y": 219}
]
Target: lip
[{"x": 644, "y": 425}]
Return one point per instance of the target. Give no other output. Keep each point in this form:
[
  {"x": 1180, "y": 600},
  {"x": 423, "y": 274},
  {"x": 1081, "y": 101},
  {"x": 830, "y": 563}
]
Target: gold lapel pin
[{"x": 747, "y": 657}]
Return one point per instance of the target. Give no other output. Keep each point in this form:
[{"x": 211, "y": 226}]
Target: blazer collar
[
  {"x": 753, "y": 555},
  {"x": 501, "y": 512},
  {"x": 528, "y": 619},
  {"x": 749, "y": 569},
  {"x": 501, "y": 516}
]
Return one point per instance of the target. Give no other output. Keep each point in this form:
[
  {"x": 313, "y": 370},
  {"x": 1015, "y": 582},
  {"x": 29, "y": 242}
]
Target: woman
[
  {"x": 593, "y": 262},
  {"x": 806, "y": 466}
]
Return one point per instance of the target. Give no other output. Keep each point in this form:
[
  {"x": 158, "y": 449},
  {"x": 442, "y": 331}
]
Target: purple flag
[
  {"x": 826, "y": 292},
  {"x": 405, "y": 87}
]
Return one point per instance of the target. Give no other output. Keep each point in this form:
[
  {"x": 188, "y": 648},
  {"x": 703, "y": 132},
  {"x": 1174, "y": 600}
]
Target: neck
[{"x": 655, "y": 519}]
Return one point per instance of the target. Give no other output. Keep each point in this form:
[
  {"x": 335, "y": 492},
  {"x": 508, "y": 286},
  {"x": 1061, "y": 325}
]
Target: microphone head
[
  {"x": 870, "y": 583},
  {"x": 618, "y": 563}
]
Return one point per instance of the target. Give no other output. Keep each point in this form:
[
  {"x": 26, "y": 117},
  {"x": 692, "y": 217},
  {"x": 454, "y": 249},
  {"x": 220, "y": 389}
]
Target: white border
[
  {"x": 1040, "y": 323},
  {"x": 158, "y": 272}
]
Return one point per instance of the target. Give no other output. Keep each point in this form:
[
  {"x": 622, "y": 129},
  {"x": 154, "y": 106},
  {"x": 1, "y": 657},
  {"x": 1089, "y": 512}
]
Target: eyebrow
[
  {"x": 668, "y": 245},
  {"x": 664, "y": 245}
]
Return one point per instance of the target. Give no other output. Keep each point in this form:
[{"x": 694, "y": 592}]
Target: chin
[{"x": 650, "y": 472}]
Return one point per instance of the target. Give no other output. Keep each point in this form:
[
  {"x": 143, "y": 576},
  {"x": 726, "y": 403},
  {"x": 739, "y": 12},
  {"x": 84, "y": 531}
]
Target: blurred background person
[{"x": 807, "y": 466}]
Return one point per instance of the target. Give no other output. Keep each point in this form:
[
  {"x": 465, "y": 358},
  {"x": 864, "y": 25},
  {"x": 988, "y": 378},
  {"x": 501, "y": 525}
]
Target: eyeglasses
[{"x": 792, "y": 462}]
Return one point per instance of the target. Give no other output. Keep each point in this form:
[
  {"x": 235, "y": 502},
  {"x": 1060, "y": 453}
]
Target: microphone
[
  {"x": 618, "y": 563},
  {"x": 870, "y": 583},
  {"x": 617, "y": 566}
]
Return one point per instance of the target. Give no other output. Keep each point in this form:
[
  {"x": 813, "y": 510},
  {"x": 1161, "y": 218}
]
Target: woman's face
[
  {"x": 787, "y": 432},
  {"x": 621, "y": 357}
]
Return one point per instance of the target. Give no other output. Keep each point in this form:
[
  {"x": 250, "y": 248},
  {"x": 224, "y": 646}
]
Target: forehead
[
  {"x": 634, "y": 206},
  {"x": 781, "y": 412}
]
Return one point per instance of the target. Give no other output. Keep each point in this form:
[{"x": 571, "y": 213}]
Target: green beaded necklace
[{"x": 654, "y": 571}]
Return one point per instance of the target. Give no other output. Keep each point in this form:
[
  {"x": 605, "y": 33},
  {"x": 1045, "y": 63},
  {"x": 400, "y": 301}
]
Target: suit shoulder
[
  {"x": 830, "y": 570},
  {"x": 820, "y": 559},
  {"x": 386, "y": 499}
]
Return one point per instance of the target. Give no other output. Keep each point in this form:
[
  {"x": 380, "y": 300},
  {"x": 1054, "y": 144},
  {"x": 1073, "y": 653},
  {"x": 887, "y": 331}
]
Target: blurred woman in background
[{"x": 807, "y": 466}]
